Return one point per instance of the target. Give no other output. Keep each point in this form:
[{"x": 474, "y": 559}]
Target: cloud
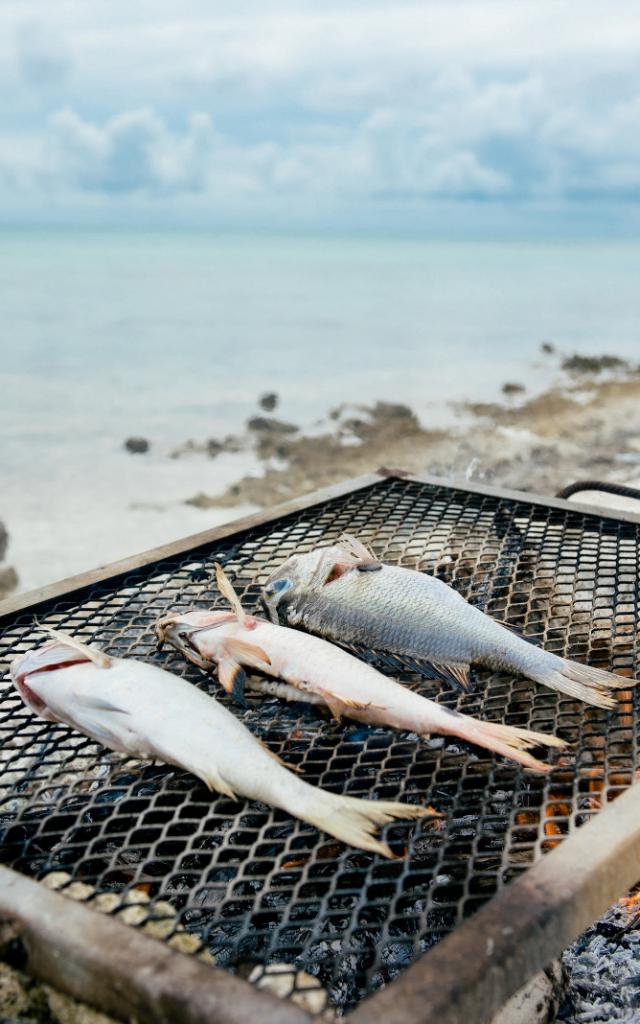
[
  {"x": 375, "y": 104},
  {"x": 131, "y": 152},
  {"x": 43, "y": 56}
]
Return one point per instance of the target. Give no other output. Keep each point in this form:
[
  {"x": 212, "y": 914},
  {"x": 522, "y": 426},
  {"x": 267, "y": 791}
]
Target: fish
[
  {"x": 344, "y": 593},
  {"x": 140, "y": 709},
  {"x": 307, "y": 668}
]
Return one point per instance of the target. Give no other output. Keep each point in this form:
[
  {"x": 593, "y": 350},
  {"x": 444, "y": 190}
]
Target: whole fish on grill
[
  {"x": 344, "y": 593},
  {"x": 310, "y": 669},
  {"x": 140, "y": 709}
]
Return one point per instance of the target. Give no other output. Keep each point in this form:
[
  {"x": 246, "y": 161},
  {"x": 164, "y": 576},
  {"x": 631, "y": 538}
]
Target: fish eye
[{"x": 279, "y": 586}]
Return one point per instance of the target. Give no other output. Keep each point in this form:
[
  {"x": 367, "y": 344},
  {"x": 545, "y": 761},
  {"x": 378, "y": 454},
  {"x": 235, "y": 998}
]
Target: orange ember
[
  {"x": 632, "y": 901},
  {"x": 555, "y": 809}
]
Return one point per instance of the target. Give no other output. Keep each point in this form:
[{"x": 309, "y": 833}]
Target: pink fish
[{"x": 307, "y": 668}]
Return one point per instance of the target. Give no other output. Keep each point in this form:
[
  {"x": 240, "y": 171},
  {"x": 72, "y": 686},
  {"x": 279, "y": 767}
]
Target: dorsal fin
[
  {"x": 359, "y": 552},
  {"x": 226, "y": 589},
  {"x": 98, "y": 658}
]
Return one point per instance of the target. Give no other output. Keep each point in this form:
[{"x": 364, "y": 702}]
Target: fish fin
[
  {"x": 336, "y": 710},
  {"x": 339, "y": 705},
  {"x": 457, "y": 670},
  {"x": 233, "y": 679},
  {"x": 276, "y": 757},
  {"x": 226, "y": 589},
  {"x": 211, "y": 779},
  {"x": 206, "y": 773},
  {"x": 191, "y": 654},
  {"x": 508, "y": 740},
  {"x": 247, "y": 653},
  {"x": 356, "y": 821},
  {"x": 98, "y": 658},
  {"x": 364, "y": 558},
  {"x": 105, "y": 723},
  {"x": 592, "y": 685}
]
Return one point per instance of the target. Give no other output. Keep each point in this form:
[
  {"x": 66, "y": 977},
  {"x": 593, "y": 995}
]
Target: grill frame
[{"x": 599, "y": 882}]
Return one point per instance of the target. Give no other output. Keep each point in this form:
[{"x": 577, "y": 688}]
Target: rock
[
  {"x": 512, "y": 388},
  {"x": 8, "y": 581},
  {"x": 137, "y": 445},
  {"x": 271, "y": 425},
  {"x": 593, "y": 364},
  {"x": 8, "y": 575},
  {"x": 201, "y": 500},
  {"x": 211, "y": 447},
  {"x": 214, "y": 447},
  {"x": 268, "y": 401}
]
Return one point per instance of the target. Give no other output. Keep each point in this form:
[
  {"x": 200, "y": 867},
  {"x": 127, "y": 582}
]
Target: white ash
[{"x": 602, "y": 970}]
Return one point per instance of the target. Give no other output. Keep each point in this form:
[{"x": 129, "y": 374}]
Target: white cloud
[
  {"x": 366, "y": 101},
  {"x": 133, "y": 151},
  {"x": 43, "y": 56}
]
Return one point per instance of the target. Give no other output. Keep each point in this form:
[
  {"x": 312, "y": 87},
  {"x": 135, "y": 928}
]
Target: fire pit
[{"x": 248, "y": 885}]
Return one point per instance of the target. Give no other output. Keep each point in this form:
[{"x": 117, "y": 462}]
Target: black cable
[{"x": 599, "y": 485}]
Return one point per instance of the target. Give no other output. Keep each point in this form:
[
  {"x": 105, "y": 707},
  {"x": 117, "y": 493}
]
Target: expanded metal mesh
[{"x": 249, "y": 885}]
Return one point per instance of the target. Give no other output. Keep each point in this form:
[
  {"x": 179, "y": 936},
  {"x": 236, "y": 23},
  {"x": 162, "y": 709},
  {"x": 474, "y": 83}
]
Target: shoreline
[{"x": 584, "y": 424}]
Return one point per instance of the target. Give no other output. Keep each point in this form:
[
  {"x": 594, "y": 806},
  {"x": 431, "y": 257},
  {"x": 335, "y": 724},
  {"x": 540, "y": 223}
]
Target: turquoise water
[{"x": 174, "y": 335}]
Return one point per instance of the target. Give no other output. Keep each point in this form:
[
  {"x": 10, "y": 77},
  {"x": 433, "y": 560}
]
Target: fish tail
[
  {"x": 355, "y": 821},
  {"x": 592, "y": 685},
  {"x": 508, "y": 740}
]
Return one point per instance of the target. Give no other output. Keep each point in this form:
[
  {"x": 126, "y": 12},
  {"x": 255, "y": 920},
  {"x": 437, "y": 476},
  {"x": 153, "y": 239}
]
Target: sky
[{"x": 459, "y": 117}]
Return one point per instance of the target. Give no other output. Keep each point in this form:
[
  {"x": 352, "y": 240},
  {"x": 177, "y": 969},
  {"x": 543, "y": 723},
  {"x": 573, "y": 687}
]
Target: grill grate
[{"x": 249, "y": 884}]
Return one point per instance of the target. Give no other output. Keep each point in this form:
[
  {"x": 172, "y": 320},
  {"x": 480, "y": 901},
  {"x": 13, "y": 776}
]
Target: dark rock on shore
[
  {"x": 355, "y": 442},
  {"x": 268, "y": 401},
  {"x": 137, "y": 445},
  {"x": 271, "y": 436},
  {"x": 8, "y": 575},
  {"x": 512, "y": 388},
  {"x": 211, "y": 447},
  {"x": 576, "y": 364},
  {"x": 269, "y": 424},
  {"x": 575, "y": 428},
  {"x": 8, "y": 581}
]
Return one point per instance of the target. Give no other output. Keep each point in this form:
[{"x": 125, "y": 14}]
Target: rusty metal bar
[
  {"x": 122, "y": 972},
  {"x": 470, "y": 974}
]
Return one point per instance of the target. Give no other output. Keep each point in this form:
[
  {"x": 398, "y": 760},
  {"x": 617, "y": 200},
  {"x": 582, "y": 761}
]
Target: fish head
[
  {"x": 50, "y": 656},
  {"x": 198, "y": 635},
  {"x": 296, "y": 577}
]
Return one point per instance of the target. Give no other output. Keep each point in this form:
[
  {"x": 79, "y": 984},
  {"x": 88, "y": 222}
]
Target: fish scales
[
  {"x": 311, "y": 667},
  {"x": 343, "y": 593}
]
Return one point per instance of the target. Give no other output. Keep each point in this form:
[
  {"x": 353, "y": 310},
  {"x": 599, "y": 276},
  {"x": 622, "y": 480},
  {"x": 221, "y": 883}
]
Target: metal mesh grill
[{"x": 249, "y": 884}]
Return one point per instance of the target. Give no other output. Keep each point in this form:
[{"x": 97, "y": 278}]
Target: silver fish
[
  {"x": 310, "y": 669},
  {"x": 344, "y": 593},
  {"x": 139, "y": 709}
]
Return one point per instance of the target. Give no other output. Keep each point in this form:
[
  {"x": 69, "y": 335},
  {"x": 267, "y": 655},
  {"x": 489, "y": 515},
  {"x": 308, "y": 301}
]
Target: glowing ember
[
  {"x": 632, "y": 901},
  {"x": 555, "y": 808}
]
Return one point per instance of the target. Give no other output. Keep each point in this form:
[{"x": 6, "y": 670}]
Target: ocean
[{"x": 174, "y": 336}]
